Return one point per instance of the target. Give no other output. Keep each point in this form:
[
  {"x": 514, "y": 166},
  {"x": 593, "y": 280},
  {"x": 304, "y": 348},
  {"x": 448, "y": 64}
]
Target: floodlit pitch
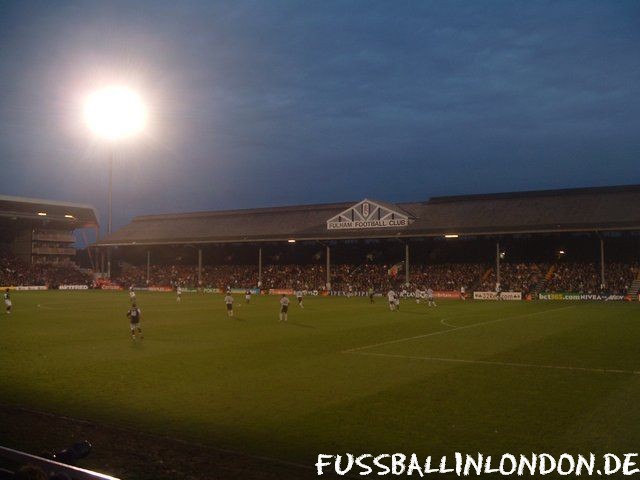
[{"x": 341, "y": 376}]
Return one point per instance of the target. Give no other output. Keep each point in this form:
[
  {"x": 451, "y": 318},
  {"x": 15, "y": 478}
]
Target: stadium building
[
  {"x": 587, "y": 224},
  {"x": 42, "y": 231}
]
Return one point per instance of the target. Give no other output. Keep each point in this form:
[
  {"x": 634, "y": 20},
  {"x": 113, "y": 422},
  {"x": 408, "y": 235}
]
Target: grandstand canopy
[
  {"x": 569, "y": 210},
  {"x": 50, "y": 212}
]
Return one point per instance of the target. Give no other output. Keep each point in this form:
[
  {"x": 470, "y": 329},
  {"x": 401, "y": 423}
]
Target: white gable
[{"x": 368, "y": 214}]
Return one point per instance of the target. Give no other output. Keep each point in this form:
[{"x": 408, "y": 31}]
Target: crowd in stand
[
  {"x": 586, "y": 278},
  {"x": 15, "y": 271},
  {"x": 520, "y": 277},
  {"x": 381, "y": 278},
  {"x": 447, "y": 277},
  {"x": 515, "y": 277}
]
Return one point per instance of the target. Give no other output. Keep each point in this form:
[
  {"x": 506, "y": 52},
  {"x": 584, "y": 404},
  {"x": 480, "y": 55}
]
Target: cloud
[{"x": 254, "y": 96}]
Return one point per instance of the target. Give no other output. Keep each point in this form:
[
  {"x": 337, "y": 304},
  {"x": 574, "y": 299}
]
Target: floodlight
[
  {"x": 69, "y": 216},
  {"x": 291, "y": 240},
  {"x": 451, "y": 235},
  {"x": 115, "y": 112},
  {"x": 42, "y": 214}
]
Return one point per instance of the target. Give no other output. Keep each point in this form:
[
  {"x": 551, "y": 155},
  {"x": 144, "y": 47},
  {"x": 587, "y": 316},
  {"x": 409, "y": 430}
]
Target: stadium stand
[
  {"x": 445, "y": 243},
  {"x": 346, "y": 245},
  {"x": 37, "y": 243},
  {"x": 16, "y": 271},
  {"x": 571, "y": 210},
  {"x": 42, "y": 231}
]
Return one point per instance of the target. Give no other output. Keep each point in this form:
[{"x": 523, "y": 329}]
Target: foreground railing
[{"x": 51, "y": 467}]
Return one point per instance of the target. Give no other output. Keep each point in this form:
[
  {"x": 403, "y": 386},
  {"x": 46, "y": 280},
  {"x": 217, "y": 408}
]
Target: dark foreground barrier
[{"x": 53, "y": 468}]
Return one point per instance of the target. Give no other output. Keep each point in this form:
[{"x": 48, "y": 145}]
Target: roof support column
[
  {"x": 259, "y": 267},
  {"x": 109, "y": 222},
  {"x": 497, "y": 264},
  {"x": 199, "y": 267},
  {"x": 110, "y": 194},
  {"x": 148, "y": 266},
  {"x": 328, "y": 268},
  {"x": 602, "y": 281},
  {"x": 406, "y": 264},
  {"x": 96, "y": 251}
]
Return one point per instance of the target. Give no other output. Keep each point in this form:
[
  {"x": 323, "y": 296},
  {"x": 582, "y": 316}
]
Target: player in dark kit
[{"x": 134, "y": 314}]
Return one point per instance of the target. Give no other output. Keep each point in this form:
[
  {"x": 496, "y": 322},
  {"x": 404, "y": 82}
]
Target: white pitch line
[
  {"x": 444, "y": 322},
  {"x": 503, "y": 364},
  {"x": 46, "y": 307},
  {"x": 455, "y": 329}
]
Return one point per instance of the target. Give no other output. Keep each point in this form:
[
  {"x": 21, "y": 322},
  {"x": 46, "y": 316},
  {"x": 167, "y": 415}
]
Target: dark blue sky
[{"x": 265, "y": 103}]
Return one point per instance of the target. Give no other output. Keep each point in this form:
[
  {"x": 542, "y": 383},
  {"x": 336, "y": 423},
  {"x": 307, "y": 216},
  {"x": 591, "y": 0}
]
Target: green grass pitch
[{"x": 341, "y": 376}]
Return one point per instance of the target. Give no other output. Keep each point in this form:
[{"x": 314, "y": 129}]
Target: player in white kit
[
  {"x": 299, "y": 298},
  {"x": 132, "y": 294},
  {"x": 391, "y": 296},
  {"x": 228, "y": 300},
  {"x": 7, "y": 301},
  {"x": 430, "y": 301},
  {"x": 284, "y": 308},
  {"x": 418, "y": 295},
  {"x": 178, "y": 294}
]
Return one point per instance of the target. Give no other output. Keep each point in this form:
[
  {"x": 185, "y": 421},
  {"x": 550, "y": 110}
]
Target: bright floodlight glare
[
  {"x": 291, "y": 240},
  {"x": 115, "y": 112},
  {"x": 451, "y": 235}
]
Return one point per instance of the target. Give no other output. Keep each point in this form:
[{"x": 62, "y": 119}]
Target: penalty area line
[
  {"x": 444, "y": 322},
  {"x": 46, "y": 307},
  {"x": 454, "y": 329},
  {"x": 501, "y": 364}
]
